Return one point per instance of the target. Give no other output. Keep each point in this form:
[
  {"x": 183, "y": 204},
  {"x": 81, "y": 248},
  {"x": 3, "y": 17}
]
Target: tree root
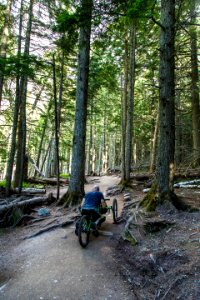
[
  {"x": 63, "y": 224},
  {"x": 150, "y": 202},
  {"x": 70, "y": 198}
]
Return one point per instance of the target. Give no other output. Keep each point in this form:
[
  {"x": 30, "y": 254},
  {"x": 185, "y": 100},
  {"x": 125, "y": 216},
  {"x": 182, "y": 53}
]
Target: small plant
[{"x": 3, "y": 183}]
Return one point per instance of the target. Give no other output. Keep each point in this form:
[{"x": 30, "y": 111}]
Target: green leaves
[
  {"x": 66, "y": 22},
  {"x": 24, "y": 65},
  {"x": 139, "y": 8}
]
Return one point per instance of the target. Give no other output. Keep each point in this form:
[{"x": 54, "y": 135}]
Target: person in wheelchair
[{"x": 94, "y": 204}]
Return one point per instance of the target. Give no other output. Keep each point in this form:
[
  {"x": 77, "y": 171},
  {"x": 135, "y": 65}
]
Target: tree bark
[
  {"x": 9, "y": 171},
  {"x": 4, "y": 44},
  {"x": 56, "y": 128},
  {"x": 42, "y": 138},
  {"x": 76, "y": 186},
  {"x": 130, "y": 104},
  {"x": 153, "y": 149},
  {"x": 165, "y": 167},
  {"x": 195, "y": 87},
  {"x": 19, "y": 173},
  {"x": 124, "y": 109}
]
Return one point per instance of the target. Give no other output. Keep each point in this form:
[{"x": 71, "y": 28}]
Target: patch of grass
[
  {"x": 24, "y": 185},
  {"x": 65, "y": 176},
  {"x": 32, "y": 185}
]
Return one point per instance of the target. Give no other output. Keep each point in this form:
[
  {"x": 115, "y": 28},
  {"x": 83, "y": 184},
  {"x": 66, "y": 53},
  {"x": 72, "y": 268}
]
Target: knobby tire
[
  {"x": 115, "y": 210},
  {"x": 84, "y": 232}
]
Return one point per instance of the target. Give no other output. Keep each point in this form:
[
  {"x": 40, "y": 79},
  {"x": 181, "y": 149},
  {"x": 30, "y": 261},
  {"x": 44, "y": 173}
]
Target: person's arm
[
  {"x": 82, "y": 202},
  {"x": 103, "y": 202}
]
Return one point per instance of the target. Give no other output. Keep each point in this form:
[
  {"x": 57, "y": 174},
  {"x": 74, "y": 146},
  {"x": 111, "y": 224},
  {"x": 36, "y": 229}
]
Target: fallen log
[
  {"x": 141, "y": 177},
  {"x": 45, "y": 181},
  {"x": 14, "y": 210},
  {"x": 35, "y": 166},
  {"x": 23, "y": 204},
  {"x": 31, "y": 191}
]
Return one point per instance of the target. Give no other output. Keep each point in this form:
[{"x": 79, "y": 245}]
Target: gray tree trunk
[
  {"x": 124, "y": 110},
  {"x": 19, "y": 174},
  {"x": 4, "y": 44},
  {"x": 195, "y": 87},
  {"x": 76, "y": 185},
  {"x": 43, "y": 136},
  {"x": 57, "y": 127},
  {"x": 165, "y": 167},
  {"x": 153, "y": 148},
  {"x": 9, "y": 171},
  {"x": 130, "y": 104},
  {"x": 178, "y": 137}
]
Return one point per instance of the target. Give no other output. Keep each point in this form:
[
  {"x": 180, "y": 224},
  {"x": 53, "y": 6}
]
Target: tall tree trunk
[
  {"x": 43, "y": 136},
  {"x": 19, "y": 174},
  {"x": 90, "y": 149},
  {"x": 130, "y": 104},
  {"x": 105, "y": 158},
  {"x": 124, "y": 110},
  {"x": 4, "y": 44},
  {"x": 165, "y": 168},
  {"x": 9, "y": 171},
  {"x": 46, "y": 154},
  {"x": 178, "y": 133},
  {"x": 76, "y": 185},
  {"x": 59, "y": 105},
  {"x": 56, "y": 128},
  {"x": 60, "y": 91},
  {"x": 195, "y": 87},
  {"x": 153, "y": 149}
]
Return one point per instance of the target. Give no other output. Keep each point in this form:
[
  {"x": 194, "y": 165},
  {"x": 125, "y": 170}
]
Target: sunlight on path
[{"x": 54, "y": 266}]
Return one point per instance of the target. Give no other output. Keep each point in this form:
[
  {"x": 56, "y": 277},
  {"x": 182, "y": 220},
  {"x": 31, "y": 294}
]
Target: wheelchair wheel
[
  {"x": 84, "y": 231},
  {"x": 115, "y": 210}
]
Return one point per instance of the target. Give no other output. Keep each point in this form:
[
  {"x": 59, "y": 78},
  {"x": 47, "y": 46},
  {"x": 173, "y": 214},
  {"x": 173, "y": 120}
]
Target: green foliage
[
  {"x": 3, "y": 183},
  {"x": 23, "y": 66},
  {"x": 65, "y": 176},
  {"x": 128, "y": 236},
  {"x": 2, "y": 16},
  {"x": 24, "y": 185},
  {"x": 32, "y": 185},
  {"x": 66, "y": 22}
]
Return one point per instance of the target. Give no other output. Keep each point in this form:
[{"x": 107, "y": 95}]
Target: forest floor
[{"x": 163, "y": 265}]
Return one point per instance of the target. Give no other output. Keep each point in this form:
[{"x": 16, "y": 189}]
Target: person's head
[{"x": 96, "y": 188}]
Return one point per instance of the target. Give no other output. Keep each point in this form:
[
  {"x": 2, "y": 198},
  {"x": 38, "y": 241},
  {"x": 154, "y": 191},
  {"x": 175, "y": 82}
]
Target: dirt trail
[{"x": 54, "y": 266}]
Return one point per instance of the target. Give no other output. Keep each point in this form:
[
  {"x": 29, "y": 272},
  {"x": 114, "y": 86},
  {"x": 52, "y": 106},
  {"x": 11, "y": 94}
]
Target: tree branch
[{"x": 158, "y": 23}]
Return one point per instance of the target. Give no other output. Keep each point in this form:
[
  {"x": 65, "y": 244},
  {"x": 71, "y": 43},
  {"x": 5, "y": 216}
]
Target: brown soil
[{"x": 163, "y": 265}]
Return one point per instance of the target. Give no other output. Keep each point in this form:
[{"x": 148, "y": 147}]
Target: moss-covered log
[{"x": 14, "y": 211}]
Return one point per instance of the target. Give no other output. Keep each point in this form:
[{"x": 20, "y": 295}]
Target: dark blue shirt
[{"x": 93, "y": 200}]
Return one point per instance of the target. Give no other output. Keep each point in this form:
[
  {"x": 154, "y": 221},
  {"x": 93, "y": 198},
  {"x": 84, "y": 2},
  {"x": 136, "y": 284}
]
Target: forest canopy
[{"x": 39, "y": 50}]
